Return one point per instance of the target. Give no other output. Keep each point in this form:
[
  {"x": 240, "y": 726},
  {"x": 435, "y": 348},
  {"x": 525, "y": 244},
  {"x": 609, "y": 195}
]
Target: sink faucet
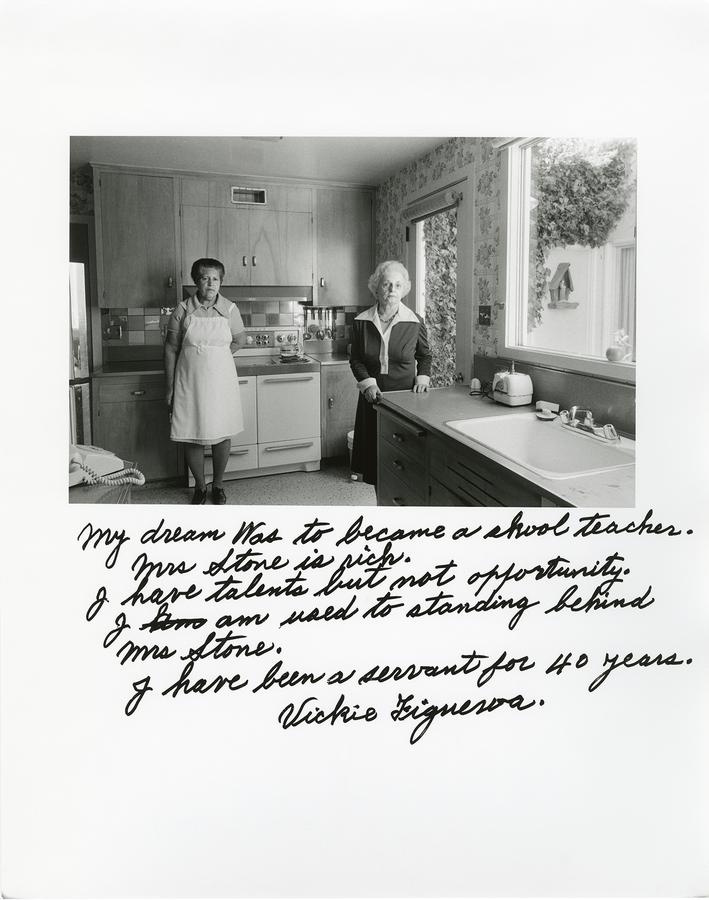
[{"x": 582, "y": 420}]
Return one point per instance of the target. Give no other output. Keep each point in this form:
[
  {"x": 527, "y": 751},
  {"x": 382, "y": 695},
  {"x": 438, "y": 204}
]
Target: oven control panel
[{"x": 262, "y": 338}]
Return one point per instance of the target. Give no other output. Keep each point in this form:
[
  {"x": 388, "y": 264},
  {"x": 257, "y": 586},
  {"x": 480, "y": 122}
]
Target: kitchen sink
[{"x": 547, "y": 448}]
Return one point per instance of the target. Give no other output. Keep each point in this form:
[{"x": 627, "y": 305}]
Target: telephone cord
[{"x": 125, "y": 476}]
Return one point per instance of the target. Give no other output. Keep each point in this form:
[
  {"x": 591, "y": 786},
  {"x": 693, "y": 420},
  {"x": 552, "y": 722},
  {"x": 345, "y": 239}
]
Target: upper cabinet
[
  {"x": 135, "y": 239},
  {"x": 266, "y": 239},
  {"x": 151, "y": 227},
  {"x": 344, "y": 247}
]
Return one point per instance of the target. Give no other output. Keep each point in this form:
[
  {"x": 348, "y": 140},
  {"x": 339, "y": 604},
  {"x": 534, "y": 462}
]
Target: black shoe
[
  {"x": 199, "y": 497},
  {"x": 218, "y": 495}
]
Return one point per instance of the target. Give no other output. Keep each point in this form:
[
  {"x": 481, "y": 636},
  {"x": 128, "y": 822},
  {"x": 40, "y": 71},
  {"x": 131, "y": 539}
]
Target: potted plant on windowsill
[{"x": 619, "y": 351}]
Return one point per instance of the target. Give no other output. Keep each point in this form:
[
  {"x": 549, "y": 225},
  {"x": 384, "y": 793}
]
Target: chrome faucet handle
[
  {"x": 610, "y": 433},
  {"x": 565, "y": 417},
  {"x": 575, "y": 413}
]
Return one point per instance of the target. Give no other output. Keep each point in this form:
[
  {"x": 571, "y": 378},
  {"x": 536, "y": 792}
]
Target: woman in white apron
[{"x": 202, "y": 386}]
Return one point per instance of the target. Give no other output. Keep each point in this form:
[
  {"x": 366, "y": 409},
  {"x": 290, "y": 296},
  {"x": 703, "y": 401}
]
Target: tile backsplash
[{"x": 132, "y": 327}]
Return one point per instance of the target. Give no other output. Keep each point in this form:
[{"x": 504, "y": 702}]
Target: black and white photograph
[
  {"x": 413, "y": 322},
  {"x": 360, "y": 552}
]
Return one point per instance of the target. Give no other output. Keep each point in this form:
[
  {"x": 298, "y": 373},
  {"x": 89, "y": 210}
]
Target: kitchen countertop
[
  {"x": 434, "y": 408},
  {"x": 330, "y": 359},
  {"x": 245, "y": 365}
]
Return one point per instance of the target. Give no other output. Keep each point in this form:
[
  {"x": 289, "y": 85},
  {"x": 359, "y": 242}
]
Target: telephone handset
[{"x": 92, "y": 465}]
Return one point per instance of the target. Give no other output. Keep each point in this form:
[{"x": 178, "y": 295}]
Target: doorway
[{"x": 436, "y": 261}]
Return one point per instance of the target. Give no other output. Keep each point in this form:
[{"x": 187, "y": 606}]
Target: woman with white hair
[{"x": 389, "y": 353}]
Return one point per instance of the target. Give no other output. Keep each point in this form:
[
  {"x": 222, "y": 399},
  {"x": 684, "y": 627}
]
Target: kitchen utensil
[{"x": 320, "y": 334}]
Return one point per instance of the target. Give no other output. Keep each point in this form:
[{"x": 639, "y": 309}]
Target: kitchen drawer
[
  {"x": 404, "y": 465},
  {"x": 115, "y": 390},
  {"x": 240, "y": 460},
  {"x": 405, "y": 436},
  {"x": 392, "y": 491},
  {"x": 281, "y": 453},
  {"x": 477, "y": 479}
]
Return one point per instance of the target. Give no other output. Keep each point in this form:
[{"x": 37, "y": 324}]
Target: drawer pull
[
  {"x": 280, "y": 379},
  {"x": 244, "y": 261},
  {"x": 397, "y": 465},
  {"x": 402, "y": 437},
  {"x": 137, "y": 393},
  {"x": 397, "y": 501},
  {"x": 239, "y": 452},
  {"x": 289, "y": 447},
  {"x": 243, "y": 381}
]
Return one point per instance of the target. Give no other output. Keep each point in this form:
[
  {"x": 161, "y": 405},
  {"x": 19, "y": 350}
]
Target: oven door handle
[
  {"x": 281, "y": 379},
  {"x": 289, "y": 447}
]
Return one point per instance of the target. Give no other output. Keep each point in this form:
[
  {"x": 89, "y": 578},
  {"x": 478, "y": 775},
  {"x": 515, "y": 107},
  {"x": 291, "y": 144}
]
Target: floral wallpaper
[
  {"x": 81, "y": 192},
  {"x": 444, "y": 160}
]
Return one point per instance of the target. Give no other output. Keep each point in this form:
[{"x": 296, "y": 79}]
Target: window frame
[{"x": 515, "y": 271}]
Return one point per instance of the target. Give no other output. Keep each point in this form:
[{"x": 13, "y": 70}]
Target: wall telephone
[{"x": 92, "y": 465}]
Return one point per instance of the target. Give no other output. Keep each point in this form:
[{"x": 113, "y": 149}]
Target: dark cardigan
[{"x": 409, "y": 356}]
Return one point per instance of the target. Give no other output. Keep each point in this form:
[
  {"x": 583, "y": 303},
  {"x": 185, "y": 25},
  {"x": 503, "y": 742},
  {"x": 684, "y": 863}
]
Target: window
[{"x": 570, "y": 273}]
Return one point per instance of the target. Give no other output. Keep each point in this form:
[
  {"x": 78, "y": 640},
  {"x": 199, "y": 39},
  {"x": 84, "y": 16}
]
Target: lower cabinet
[
  {"x": 130, "y": 419},
  {"x": 402, "y": 462},
  {"x": 421, "y": 468},
  {"x": 338, "y": 407},
  {"x": 281, "y": 426}
]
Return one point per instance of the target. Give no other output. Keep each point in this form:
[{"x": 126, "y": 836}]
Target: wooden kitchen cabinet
[
  {"x": 421, "y": 468},
  {"x": 136, "y": 247},
  {"x": 344, "y": 247},
  {"x": 131, "y": 420},
  {"x": 402, "y": 462},
  {"x": 260, "y": 245},
  {"x": 338, "y": 407},
  {"x": 257, "y": 247}
]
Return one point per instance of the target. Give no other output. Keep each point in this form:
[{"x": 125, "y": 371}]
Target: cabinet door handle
[
  {"x": 397, "y": 501},
  {"x": 397, "y": 437},
  {"x": 322, "y": 282},
  {"x": 253, "y": 260},
  {"x": 243, "y": 381},
  {"x": 244, "y": 261},
  {"x": 330, "y": 402},
  {"x": 397, "y": 465},
  {"x": 170, "y": 281},
  {"x": 137, "y": 393},
  {"x": 239, "y": 452},
  {"x": 289, "y": 447}
]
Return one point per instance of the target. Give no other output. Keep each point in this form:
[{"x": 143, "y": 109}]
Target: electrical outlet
[{"x": 484, "y": 315}]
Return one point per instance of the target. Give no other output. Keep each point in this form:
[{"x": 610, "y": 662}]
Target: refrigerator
[{"x": 79, "y": 363}]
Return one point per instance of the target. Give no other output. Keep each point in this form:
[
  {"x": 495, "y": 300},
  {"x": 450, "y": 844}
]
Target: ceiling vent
[{"x": 249, "y": 195}]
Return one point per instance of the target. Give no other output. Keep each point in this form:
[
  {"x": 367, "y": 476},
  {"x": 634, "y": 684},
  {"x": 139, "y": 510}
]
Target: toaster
[{"x": 512, "y": 388}]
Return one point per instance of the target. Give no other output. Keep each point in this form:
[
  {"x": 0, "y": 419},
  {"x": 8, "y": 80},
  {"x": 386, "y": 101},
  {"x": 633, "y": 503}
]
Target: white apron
[{"x": 206, "y": 404}]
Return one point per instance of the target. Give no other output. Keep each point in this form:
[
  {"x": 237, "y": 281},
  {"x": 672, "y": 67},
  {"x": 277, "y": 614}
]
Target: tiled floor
[{"x": 331, "y": 486}]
